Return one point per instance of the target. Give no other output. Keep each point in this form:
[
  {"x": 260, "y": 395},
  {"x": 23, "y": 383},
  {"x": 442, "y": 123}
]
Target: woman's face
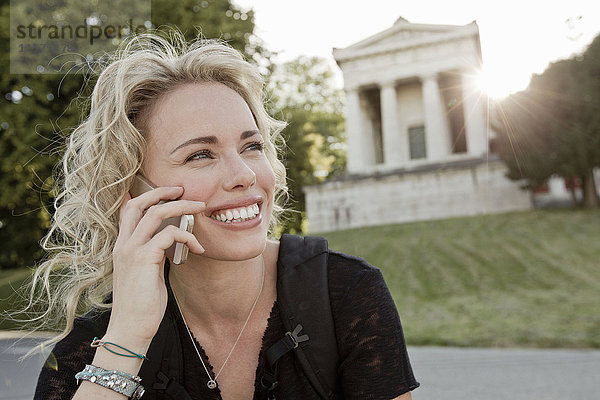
[{"x": 203, "y": 137}]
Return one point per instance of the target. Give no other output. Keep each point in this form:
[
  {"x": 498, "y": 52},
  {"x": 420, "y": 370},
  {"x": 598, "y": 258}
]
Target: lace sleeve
[{"x": 374, "y": 360}]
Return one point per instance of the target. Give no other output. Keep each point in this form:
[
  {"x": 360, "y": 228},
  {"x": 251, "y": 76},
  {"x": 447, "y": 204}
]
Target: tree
[
  {"x": 553, "y": 127},
  {"x": 30, "y": 136},
  {"x": 304, "y": 94},
  {"x": 39, "y": 111}
]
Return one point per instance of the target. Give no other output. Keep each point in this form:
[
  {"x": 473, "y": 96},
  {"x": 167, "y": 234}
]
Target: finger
[
  {"x": 123, "y": 202},
  {"x": 153, "y": 196},
  {"x": 155, "y": 216},
  {"x": 168, "y": 236},
  {"x": 133, "y": 209}
]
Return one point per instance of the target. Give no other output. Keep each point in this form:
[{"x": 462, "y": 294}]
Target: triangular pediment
[{"x": 404, "y": 34}]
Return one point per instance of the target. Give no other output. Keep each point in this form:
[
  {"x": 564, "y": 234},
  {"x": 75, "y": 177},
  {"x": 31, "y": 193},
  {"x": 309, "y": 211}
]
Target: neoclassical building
[{"x": 417, "y": 133}]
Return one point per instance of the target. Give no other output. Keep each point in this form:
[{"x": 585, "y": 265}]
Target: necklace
[{"x": 212, "y": 382}]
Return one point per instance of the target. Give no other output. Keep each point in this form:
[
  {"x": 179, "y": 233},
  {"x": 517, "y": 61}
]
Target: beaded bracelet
[
  {"x": 99, "y": 343},
  {"x": 121, "y": 382}
]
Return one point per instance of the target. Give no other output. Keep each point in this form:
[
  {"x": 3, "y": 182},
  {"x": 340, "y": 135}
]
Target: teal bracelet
[{"x": 99, "y": 343}]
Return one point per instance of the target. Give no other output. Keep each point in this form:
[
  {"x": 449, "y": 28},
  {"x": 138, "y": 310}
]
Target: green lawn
[
  {"x": 10, "y": 280},
  {"x": 518, "y": 279}
]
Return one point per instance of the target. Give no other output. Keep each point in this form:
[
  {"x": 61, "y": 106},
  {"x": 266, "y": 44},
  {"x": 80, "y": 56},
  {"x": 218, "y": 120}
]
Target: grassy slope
[
  {"x": 9, "y": 300},
  {"x": 519, "y": 279}
]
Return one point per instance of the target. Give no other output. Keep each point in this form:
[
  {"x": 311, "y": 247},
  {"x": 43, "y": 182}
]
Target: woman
[{"x": 190, "y": 120}]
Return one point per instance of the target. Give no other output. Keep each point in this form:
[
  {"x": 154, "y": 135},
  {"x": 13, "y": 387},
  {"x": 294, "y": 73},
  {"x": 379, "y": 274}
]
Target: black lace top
[{"x": 373, "y": 365}]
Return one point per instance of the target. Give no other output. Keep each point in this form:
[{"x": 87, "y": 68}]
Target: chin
[{"x": 229, "y": 249}]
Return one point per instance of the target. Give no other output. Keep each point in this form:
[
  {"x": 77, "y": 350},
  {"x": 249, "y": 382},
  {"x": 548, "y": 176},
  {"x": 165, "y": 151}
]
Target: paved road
[
  {"x": 495, "y": 374},
  {"x": 18, "y": 379},
  {"x": 444, "y": 373}
]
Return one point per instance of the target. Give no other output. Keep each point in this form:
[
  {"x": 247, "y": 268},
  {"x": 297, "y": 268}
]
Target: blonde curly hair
[{"x": 105, "y": 152}]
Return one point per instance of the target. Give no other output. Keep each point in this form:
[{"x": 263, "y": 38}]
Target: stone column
[
  {"x": 354, "y": 134},
  {"x": 392, "y": 147},
  {"x": 437, "y": 136},
  {"x": 475, "y": 113}
]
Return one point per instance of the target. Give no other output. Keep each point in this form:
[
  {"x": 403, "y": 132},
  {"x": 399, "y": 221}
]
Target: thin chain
[{"x": 212, "y": 383}]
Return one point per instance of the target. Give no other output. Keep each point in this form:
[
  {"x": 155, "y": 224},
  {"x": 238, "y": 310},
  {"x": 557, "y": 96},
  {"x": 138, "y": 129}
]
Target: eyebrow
[{"x": 213, "y": 139}]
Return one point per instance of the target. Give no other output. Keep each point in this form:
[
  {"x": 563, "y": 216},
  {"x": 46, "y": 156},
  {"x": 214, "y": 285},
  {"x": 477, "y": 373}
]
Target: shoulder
[
  {"x": 356, "y": 265},
  {"x": 361, "y": 302},
  {"x": 344, "y": 272},
  {"x": 352, "y": 275},
  {"x": 293, "y": 250}
]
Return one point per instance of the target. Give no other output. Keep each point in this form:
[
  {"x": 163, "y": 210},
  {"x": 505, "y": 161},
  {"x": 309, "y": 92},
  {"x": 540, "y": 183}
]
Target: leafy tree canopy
[
  {"x": 553, "y": 127},
  {"x": 303, "y": 93}
]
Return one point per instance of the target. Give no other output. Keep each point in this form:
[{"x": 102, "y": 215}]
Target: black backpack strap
[
  {"x": 287, "y": 343},
  {"x": 303, "y": 295}
]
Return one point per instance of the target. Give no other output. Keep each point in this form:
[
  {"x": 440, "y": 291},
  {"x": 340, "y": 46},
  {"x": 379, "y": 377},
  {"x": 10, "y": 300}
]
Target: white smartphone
[{"x": 178, "y": 253}]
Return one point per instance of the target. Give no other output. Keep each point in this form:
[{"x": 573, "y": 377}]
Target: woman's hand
[{"x": 139, "y": 291}]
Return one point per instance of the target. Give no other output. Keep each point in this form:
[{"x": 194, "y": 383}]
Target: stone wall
[{"x": 468, "y": 187}]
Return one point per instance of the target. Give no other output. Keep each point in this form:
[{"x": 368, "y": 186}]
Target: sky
[{"x": 518, "y": 37}]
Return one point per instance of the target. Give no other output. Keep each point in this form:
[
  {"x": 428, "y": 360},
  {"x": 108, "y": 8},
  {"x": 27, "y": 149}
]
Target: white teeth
[{"x": 237, "y": 214}]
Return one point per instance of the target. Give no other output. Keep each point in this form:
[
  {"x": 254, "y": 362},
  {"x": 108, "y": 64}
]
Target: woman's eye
[
  {"x": 259, "y": 146},
  {"x": 200, "y": 155}
]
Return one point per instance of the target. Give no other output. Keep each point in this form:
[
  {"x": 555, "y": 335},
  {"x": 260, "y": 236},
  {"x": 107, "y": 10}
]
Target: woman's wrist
[
  {"x": 109, "y": 360},
  {"x": 133, "y": 342},
  {"x": 130, "y": 332}
]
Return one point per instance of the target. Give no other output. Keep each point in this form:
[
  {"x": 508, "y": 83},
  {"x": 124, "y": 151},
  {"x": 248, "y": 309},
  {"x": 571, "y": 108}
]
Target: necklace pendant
[{"x": 212, "y": 384}]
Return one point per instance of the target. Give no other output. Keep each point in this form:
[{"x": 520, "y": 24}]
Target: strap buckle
[
  {"x": 293, "y": 339},
  {"x": 162, "y": 381},
  {"x": 294, "y": 336}
]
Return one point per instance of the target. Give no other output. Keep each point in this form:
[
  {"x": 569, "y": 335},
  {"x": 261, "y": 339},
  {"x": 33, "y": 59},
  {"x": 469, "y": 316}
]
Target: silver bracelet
[{"x": 121, "y": 382}]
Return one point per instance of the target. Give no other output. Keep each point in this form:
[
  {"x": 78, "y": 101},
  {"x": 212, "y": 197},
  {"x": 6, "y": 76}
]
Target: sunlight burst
[{"x": 493, "y": 86}]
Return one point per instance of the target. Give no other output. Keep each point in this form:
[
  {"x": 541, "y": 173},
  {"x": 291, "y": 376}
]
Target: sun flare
[{"x": 492, "y": 85}]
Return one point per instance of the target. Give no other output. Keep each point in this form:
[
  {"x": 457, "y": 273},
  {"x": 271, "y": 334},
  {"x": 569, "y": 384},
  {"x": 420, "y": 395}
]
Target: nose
[{"x": 237, "y": 173}]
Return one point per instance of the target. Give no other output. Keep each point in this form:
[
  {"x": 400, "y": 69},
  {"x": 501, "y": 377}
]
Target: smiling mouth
[{"x": 239, "y": 214}]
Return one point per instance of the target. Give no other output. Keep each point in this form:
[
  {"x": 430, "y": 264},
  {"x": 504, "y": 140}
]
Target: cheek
[
  {"x": 199, "y": 189},
  {"x": 266, "y": 179}
]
